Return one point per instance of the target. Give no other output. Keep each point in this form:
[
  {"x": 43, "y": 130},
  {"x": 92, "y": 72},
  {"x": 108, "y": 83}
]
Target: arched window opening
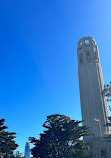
[{"x": 87, "y": 41}]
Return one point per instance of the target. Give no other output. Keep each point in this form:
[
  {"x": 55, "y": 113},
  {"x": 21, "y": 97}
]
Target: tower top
[{"x": 86, "y": 41}]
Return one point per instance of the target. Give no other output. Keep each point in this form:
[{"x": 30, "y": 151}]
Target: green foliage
[
  {"x": 60, "y": 139},
  {"x": 7, "y": 143},
  {"x": 18, "y": 155}
]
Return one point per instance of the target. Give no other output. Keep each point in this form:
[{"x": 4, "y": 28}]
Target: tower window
[
  {"x": 87, "y": 41},
  {"x": 88, "y": 56},
  {"x": 93, "y": 42},
  {"x": 103, "y": 153},
  {"x": 88, "y": 53}
]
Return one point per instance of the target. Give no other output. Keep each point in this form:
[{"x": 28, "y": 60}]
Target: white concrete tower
[{"x": 93, "y": 104}]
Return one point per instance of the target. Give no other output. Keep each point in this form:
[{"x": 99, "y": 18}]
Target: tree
[
  {"x": 107, "y": 94},
  {"x": 60, "y": 139},
  {"x": 18, "y": 155},
  {"x": 7, "y": 143}
]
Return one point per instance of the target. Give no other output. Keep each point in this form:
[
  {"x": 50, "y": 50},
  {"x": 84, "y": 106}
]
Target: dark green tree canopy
[
  {"x": 7, "y": 143},
  {"x": 18, "y": 155},
  {"x": 60, "y": 139}
]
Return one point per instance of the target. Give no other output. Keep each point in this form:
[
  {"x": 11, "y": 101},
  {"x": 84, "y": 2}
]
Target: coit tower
[{"x": 93, "y": 104}]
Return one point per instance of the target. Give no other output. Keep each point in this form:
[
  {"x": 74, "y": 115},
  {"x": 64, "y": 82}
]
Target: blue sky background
[{"x": 38, "y": 58}]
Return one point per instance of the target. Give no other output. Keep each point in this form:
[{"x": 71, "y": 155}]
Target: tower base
[{"x": 100, "y": 148}]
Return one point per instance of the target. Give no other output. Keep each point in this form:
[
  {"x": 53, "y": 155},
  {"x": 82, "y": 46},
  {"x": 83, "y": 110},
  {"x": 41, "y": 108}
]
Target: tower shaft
[{"x": 93, "y": 104}]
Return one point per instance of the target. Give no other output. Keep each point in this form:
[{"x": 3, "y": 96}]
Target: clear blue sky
[{"x": 38, "y": 58}]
